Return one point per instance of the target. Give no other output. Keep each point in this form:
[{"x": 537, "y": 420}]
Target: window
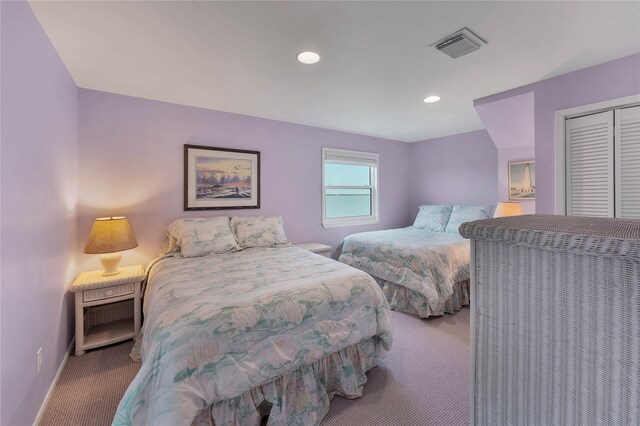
[{"x": 349, "y": 187}]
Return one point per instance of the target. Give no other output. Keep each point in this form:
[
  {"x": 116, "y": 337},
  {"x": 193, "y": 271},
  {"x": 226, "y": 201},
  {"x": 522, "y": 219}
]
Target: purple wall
[
  {"x": 131, "y": 163},
  {"x": 602, "y": 82},
  {"x": 459, "y": 169},
  {"x": 510, "y": 122},
  {"x": 39, "y": 192}
]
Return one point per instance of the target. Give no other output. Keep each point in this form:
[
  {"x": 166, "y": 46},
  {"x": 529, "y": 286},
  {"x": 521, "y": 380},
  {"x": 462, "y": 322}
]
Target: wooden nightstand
[
  {"x": 107, "y": 308},
  {"x": 321, "y": 249}
]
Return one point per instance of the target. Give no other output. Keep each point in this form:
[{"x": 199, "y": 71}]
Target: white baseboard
[{"x": 53, "y": 384}]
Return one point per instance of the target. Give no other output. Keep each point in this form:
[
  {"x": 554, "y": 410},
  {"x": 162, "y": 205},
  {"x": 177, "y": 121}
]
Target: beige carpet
[
  {"x": 90, "y": 387},
  {"x": 423, "y": 381}
]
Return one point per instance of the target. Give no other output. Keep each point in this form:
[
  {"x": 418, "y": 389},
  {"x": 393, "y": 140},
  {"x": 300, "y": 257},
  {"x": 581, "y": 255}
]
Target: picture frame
[
  {"x": 522, "y": 175},
  {"x": 221, "y": 178}
]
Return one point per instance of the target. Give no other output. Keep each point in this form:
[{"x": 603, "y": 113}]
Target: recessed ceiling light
[
  {"x": 308, "y": 57},
  {"x": 431, "y": 99}
]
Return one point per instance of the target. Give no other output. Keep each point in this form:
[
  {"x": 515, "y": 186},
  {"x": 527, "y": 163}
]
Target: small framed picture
[
  {"x": 221, "y": 178},
  {"x": 522, "y": 180}
]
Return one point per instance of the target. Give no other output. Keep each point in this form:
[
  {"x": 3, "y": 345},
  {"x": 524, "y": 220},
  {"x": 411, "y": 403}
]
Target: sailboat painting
[{"x": 522, "y": 180}]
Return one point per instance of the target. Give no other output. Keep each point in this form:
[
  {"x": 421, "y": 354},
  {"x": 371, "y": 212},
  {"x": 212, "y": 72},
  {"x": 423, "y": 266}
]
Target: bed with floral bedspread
[
  {"x": 231, "y": 337},
  {"x": 423, "y": 269},
  {"x": 421, "y": 272}
]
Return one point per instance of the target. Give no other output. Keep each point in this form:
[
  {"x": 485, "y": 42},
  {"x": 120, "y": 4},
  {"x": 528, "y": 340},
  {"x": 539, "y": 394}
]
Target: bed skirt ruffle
[
  {"x": 404, "y": 300},
  {"x": 300, "y": 397}
]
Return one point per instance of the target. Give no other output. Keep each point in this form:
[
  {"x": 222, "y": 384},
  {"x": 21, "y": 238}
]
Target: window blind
[{"x": 342, "y": 156}]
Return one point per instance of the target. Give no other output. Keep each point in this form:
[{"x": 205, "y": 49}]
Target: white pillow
[
  {"x": 433, "y": 218},
  {"x": 202, "y": 236},
  {"x": 462, "y": 213},
  {"x": 259, "y": 231}
]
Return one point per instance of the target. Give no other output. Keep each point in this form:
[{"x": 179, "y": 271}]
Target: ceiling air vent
[{"x": 459, "y": 43}]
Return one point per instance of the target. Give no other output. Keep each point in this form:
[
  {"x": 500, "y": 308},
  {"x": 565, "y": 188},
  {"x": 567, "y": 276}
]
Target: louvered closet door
[
  {"x": 590, "y": 165},
  {"x": 627, "y": 146}
]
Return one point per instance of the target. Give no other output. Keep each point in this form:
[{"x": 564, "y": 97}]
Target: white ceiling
[{"x": 376, "y": 65}]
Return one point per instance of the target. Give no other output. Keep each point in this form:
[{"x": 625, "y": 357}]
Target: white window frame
[{"x": 343, "y": 156}]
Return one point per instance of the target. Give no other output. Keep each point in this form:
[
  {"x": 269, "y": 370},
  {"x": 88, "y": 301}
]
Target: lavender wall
[
  {"x": 610, "y": 80},
  {"x": 131, "y": 163},
  {"x": 510, "y": 122},
  {"x": 459, "y": 169},
  {"x": 39, "y": 184}
]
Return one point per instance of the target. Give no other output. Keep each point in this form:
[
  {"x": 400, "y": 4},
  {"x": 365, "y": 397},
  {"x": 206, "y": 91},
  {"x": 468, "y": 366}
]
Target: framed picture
[
  {"x": 221, "y": 178},
  {"x": 522, "y": 180}
]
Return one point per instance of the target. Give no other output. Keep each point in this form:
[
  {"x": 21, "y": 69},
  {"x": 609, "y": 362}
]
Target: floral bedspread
[
  {"x": 427, "y": 262},
  {"x": 217, "y": 326}
]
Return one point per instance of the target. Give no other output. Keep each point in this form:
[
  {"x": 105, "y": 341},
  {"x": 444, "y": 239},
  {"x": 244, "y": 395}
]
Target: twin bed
[{"x": 240, "y": 324}]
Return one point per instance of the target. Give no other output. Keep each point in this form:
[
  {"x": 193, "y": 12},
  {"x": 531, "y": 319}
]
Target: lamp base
[{"x": 110, "y": 263}]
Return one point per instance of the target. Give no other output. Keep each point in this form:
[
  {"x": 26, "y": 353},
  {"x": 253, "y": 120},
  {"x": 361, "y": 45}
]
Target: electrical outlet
[{"x": 38, "y": 360}]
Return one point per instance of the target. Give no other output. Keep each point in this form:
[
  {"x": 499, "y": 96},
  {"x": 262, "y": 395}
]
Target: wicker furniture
[
  {"x": 555, "y": 320},
  {"x": 107, "y": 307},
  {"x": 321, "y": 249}
]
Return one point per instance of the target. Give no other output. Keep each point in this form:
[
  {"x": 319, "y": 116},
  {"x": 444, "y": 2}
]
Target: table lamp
[
  {"x": 110, "y": 235},
  {"x": 508, "y": 208}
]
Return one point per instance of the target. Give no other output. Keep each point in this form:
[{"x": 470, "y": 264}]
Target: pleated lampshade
[
  {"x": 508, "y": 208},
  {"x": 110, "y": 234}
]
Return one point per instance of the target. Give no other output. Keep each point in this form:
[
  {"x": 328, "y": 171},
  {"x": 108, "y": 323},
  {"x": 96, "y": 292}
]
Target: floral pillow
[
  {"x": 432, "y": 218},
  {"x": 259, "y": 231},
  {"x": 463, "y": 213},
  {"x": 199, "y": 237}
]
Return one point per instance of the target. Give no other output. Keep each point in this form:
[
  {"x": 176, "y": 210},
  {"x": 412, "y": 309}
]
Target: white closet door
[
  {"x": 627, "y": 151},
  {"x": 590, "y": 165}
]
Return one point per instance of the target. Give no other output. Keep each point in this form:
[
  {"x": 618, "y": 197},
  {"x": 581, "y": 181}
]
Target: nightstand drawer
[{"x": 106, "y": 293}]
